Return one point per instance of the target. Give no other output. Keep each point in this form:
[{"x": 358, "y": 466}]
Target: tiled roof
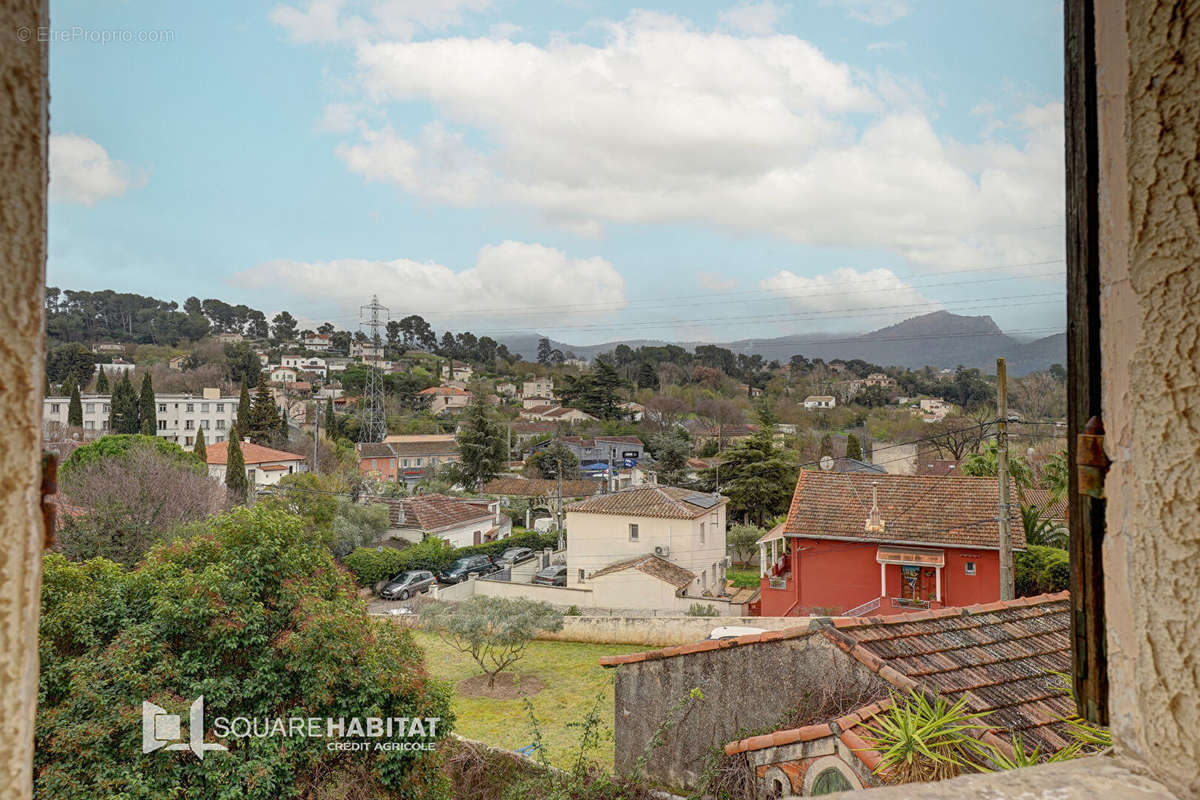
[
  {"x": 854, "y": 465},
  {"x": 533, "y": 427},
  {"x": 999, "y": 656},
  {"x": 653, "y": 566},
  {"x": 916, "y": 509},
  {"x": 432, "y": 512},
  {"x": 1041, "y": 498},
  {"x": 538, "y": 410},
  {"x": 444, "y": 391},
  {"x": 218, "y": 453},
  {"x": 425, "y": 448},
  {"x": 539, "y": 487},
  {"x": 646, "y": 501},
  {"x": 374, "y": 450},
  {"x": 562, "y": 411}
]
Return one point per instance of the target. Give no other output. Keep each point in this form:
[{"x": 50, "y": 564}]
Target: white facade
[
  {"x": 318, "y": 342},
  {"x": 305, "y": 364},
  {"x": 595, "y": 541},
  {"x": 283, "y": 375},
  {"x": 819, "y": 401},
  {"x": 116, "y": 368},
  {"x": 361, "y": 350},
  {"x": 179, "y": 416},
  {"x": 538, "y": 387}
]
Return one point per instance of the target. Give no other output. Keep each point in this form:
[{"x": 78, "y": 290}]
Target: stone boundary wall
[{"x": 653, "y": 631}]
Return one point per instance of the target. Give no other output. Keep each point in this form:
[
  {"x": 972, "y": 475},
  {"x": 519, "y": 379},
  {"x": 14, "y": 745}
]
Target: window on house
[
  {"x": 220, "y": 438},
  {"x": 190, "y": 408},
  {"x": 107, "y": 408},
  {"x": 220, "y": 424},
  {"x": 91, "y": 426},
  {"x": 162, "y": 408},
  {"x": 90, "y": 408},
  {"x": 204, "y": 424},
  {"x": 189, "y": 425},
  {"x": 220, "y": 408},
  {"x": 580, "y": 576},
  {"x": 633, "y": 532},
  {"x": 204, "y": 408},
  {"x": 187, "y": 440},
  {"x": 701, "y": 533},
  {"x": 54, "y": 408},
  {"x": 162, "y": 424},
  {"x": 969, "y": 567}
]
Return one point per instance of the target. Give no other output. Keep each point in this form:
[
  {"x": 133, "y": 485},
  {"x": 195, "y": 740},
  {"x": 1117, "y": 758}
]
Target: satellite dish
[{"x": 827, "y": 463}]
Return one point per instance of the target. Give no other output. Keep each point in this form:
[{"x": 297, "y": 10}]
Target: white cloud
[
  {"x": 661, "y": 122},
  {"x": 848, "y": 290},
  {"x": 82, "y": 172},
  {"x": 873, "y": 12},
  {"x": 716, "y": 282},
  {"x": 755, "y": 18},
  {"x": 359, "y": 20},
  {"x": 506, "y": 275}
]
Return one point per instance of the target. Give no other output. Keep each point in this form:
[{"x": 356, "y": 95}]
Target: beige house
[
  {"x": 683, "y": 528},
  {"x": 819, "y": 401},
  {"x": 264, "y": 465},
  {"x": 457, "y": 371},
  {"x": 537, "y": 387},
  {"x": 446, "y": 399}
]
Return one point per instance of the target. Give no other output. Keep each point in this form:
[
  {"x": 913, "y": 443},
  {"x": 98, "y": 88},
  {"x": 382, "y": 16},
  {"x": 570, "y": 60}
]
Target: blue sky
[{"x": 588, "y": 170}]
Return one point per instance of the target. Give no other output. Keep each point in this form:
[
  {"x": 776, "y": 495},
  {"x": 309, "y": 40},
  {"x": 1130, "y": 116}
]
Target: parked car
[
  {"x": 734, "y": 631},
  {"x": 555, "y": 575},
  {"x": 467, "y": 567},
  {"x": 406, "y": 584},
  {"x": 515, "y": 555}
]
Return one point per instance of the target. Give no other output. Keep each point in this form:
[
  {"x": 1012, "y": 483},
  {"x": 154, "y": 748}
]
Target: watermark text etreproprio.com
[{"x": 83, "y": 34}]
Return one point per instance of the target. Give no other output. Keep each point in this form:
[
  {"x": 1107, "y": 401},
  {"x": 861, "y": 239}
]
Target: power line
[{"x": 372, "y": 417}]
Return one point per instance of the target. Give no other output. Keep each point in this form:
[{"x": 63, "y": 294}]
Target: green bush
[
  {"x": 1040, "y": 569},
  {"x": 702, "y": 610},
  {"x": 119, "y": 446},
  {"x": 254, "y": 616},
  {"x": 369, "y": 565}
]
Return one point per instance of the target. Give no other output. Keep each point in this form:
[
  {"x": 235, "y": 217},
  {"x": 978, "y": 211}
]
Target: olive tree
[{"x": 494, "y": 631}]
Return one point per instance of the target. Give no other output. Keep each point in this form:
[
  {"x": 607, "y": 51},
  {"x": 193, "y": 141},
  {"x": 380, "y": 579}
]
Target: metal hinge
[{"x": 1091, "y": 462}]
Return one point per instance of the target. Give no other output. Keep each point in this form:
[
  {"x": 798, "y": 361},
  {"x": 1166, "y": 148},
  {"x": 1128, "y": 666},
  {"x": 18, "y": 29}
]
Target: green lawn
[
  {"x": 572, "y": 677},
  {"x": 743, "y": 578}
]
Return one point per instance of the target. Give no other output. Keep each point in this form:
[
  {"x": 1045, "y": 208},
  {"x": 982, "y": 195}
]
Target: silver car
[{"x": 406, "y": 584}]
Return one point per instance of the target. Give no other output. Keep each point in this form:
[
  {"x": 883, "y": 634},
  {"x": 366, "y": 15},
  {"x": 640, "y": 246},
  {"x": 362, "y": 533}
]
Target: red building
[{"x": 864, "y": 543}]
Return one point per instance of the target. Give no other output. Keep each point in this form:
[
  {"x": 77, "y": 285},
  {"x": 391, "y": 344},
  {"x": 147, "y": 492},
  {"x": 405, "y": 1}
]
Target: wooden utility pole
[
  {"x": 316, "y": 433},
  {"x": 558, "y": 479},
  {"x": 1006, "y": 553}
]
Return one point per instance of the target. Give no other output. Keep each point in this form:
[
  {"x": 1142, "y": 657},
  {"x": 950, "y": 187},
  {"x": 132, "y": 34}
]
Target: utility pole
[
  {"x": 558, "y": 508},
  {"x": 1006, "y": 553},
  {"x": 316, "y": 434},
  {"x": 372, "y": 415}
]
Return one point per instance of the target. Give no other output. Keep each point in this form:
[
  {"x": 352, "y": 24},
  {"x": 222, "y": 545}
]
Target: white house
[
  {"x": 305, "y": 364},
  {"x": 179, "y": 416},
  {"x": 819, "y": 401},
  {"x": 264, "y": 466},
  {"x": 457, "y": 371},
  {"x": 506, "y": 389},
  {"x": 538, "y": 387},
  {"x": 317, "y": 342},
  {"x": 284, "y": 375},
  {"x": 934, "y": 409},
  {"x": 446, "y": 399},
  {"x": 683, "y": 528},
  {"x": 456, "y": 521},
  {"x": 118, "y": 367},
  {"x": 365, "y": 350}
]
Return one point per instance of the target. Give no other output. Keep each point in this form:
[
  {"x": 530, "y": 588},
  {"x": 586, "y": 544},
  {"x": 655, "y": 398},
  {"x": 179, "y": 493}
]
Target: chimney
[{"x": 875, "y": 522}]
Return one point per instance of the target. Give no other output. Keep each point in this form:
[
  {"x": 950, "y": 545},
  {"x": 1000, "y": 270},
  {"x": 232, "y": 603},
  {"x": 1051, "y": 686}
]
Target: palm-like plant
[
  {"x": 920, "y": 740},
  {"x": 1039, "y": 530}
]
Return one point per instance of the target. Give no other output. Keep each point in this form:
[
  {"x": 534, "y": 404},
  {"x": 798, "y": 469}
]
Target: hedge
[
  {"x": 1040, "y": 569},
  {"x": 369, "y": 565}
]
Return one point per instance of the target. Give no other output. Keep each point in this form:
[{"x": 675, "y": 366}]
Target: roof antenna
[{"x": 875, "y": 523}]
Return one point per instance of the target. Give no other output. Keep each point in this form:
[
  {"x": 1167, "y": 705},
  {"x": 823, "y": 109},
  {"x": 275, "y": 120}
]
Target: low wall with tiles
[{"x": 657, "y": 631}]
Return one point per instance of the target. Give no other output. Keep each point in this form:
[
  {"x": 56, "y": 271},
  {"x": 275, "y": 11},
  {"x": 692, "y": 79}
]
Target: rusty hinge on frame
[
  {"x": 49, "y": 496},
  {"x": 1091, "y": 462}
]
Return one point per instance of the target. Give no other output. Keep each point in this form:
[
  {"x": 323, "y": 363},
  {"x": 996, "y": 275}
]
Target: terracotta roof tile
[
  {"x": 1051, "y": 508},
  {"x": 949, "y": 511},
  {"x": 539, "y": 487},
  {"x": 655, "y": 567},
  {"x": 218, "y": 453},
  {"x": 432, "y": 512},
  {"x": 665, "y": 502}
]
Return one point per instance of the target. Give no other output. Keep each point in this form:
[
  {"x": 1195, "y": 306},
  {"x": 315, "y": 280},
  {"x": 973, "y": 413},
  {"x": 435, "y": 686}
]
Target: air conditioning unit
[{"x": 662, "y": 552}]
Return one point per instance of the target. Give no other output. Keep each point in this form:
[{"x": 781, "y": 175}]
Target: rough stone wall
[
  {"x": 753, "y": 688},
  {"x": 23, "y": 125},
  {"x": 1150, "y": 165}
]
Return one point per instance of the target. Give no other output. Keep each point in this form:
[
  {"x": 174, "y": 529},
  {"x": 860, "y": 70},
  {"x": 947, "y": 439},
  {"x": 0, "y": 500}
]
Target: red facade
[{"x": 831, "y": 577}]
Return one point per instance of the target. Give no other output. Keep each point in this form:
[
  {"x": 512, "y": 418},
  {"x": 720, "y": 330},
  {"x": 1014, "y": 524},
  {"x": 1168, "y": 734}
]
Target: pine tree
[
  {"x": 826, "y": 447},
  {"x": 200, "y": 450},
  {"x": 235, "y": 472},
  {"x": 757, "y": 476},
  {"x": 148, "y": 408},
  {"x": 243, "y": 413},
  {"x": 101, "y": 382},
  {"x": 853, "y": 447},
  {"x": 263, "y": 420},
  {"x": 75, "y": 409},
  {"x": 123, "y": 415},
  {"x": 647, "y": 376},
  {"x": 481, "y": 445}
]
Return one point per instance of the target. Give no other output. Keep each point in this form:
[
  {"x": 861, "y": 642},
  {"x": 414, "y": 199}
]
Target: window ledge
[{"x": 1080, "y": 779}]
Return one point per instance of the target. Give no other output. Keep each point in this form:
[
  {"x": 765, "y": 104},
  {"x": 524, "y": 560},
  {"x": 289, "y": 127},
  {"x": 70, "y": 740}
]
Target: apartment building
[{"x": 179, "y": 415}]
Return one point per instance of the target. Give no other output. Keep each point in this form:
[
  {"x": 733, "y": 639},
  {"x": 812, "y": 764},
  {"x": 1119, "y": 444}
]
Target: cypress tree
[
  {"x": 148, "y": 408},
  {"x": 263, "y": 420},
  {"x": 235, "y": 472},
  {"x": 199, "y": 450},
  {"x": 123, "y": 415},
  {"x": 853, "y": 447},
  {"x": 243, "y": 413},
  {"x": 102, "y": 382},
  {"x": 826, "y": 448},
  {"x": 284, "y": 432},
  {"x": 331, "y": 421},
  {"x": 75, "y": 409}
]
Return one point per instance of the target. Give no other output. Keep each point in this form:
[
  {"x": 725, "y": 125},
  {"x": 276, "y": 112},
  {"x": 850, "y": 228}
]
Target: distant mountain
[{"x": 940, "y": 339}]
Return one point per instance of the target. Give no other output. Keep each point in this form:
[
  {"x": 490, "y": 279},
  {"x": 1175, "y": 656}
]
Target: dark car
[
  {"x": 406, "y": 584},
  {"x": 552, "y": 576},
  {"x": 515, "y": 555},
  {"x": 466, "y": 567}
]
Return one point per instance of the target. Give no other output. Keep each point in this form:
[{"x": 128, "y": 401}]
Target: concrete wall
[
  {"x": 561, "y": 596},
  {"x": 653, "y": 632},
  {"x": 23, "y": 138},
  {"x": 1149, "y": 114},
  {"x": 744, "y": 688}
]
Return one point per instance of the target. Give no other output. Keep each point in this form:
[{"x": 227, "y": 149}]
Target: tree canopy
[{"x": 493, "y": 631}]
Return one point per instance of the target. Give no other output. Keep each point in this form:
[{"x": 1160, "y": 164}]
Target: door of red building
[{"x": 928, "y": 583}]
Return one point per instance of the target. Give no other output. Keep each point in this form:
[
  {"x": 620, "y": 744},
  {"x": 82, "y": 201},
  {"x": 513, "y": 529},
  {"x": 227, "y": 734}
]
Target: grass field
[
  {"x": 743, "y": 578},
  {"x": 572, "y": 679}
]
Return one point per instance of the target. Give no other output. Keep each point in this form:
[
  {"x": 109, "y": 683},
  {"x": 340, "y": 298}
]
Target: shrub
[
  {"x": 369, "y": 565},
  {"x": 1040, "y": 569},
  {"x": 120, "y": 446},
  {"x": 702, "y": 610},
  {"x": 254, "y": 616},
  {"x": 493, "y": 631}
]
